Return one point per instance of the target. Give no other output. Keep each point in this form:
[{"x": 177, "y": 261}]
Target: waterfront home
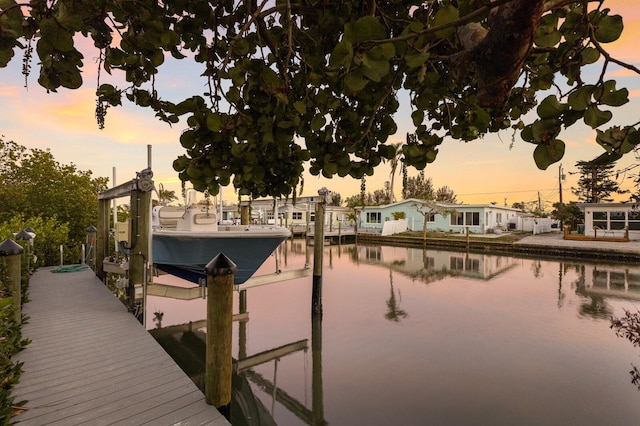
[
  {"x": 457, "y": 218},
  {"x": 611, "y": 219}
]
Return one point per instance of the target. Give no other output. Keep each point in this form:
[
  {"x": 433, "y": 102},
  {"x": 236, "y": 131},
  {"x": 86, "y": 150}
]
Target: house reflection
[
  {"x": 428, "y": 265},
  {"x": 621, "y": 281},
  {"x": 598, "y": 283}
]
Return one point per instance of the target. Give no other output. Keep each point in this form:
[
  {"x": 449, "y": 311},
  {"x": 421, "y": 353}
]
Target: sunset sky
[{"x": 483, "y": 171}]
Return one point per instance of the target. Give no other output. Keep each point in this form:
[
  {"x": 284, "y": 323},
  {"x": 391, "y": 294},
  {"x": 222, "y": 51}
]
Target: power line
[{"x": 508, "y": 192}]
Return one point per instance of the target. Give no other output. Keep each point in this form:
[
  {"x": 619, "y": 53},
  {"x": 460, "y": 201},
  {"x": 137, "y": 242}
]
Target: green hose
[{"x": 70, "y": 268}]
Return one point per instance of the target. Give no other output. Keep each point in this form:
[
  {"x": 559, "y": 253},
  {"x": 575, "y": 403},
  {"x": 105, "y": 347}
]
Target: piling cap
[
  {"x": 92, "y": 228},
  {"x": 220, "y": 265},
  {"x": 9, "y": 247},
  {"x": 24, "y": 235}
]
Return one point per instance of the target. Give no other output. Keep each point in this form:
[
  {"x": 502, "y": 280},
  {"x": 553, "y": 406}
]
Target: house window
[
  {"x": 498, "y": 218},
  {"x": 312, "y": 217},
  {"x": 472, "y": 265},
  {"x": 472, "y": 219},
  {"x": 456, "y": 263},
  {"x": 465, "y": 219},
  {"x": 457, "y": 219},
  {"x": 617, "y": 220},
  {"x": 429, "y": 262},
  {"x": 431, "y": 217},
  {"x": 374, "y": 217},
  {"x": 634, "y": 220},
  {"x": 296, "y": 215},
  {"x": 600, "y": 220},
  {"x": 373, "y": 253}
]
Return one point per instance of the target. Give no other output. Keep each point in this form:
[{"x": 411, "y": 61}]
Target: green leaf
[
  {"x": 633, "y": 137},
  {"x": 443, "y": 16},
  {"x": 480, "y": 118},
  {"x": 550, "y": 108},
  {"x": 300, "y": 106},
  {"x": 414, "y": 61},
  {"x": 5, "y": 56},
  {"x": 317, "y": 122},
  {"x": 214, "y": 122},
  {"x": 548, "y": 153},
  {"x": 595, "y": 117},
  {"x": 547, "y": 34},
  {"x": 374, "y": 70},
  {"x": 417, "y": 116},
  {"x": 609, "y": 29},
  {"x": 545, "y": 130},
  {"x": 589, "y": 55},
  {"x": 580, "y": 99},
  {"x": 355, "y": 81},
  {"x": 342, "y": 55},
  {"x": 608, "y": 95},
  {"x": 368, "y": 28}
]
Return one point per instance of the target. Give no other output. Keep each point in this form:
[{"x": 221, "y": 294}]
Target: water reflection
[
  {"x": 496, "y": 335},
  {"x": 394, "y": 313},
  {"x": 428, "y": 265},
  {"x": 186, "y": 343}
]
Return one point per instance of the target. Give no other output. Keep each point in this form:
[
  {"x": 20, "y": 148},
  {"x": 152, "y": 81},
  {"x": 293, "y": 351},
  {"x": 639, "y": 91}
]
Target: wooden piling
[
  {"x": 218, "y": 365},
  {"x": 91, "y": 246},
  {"x": 27, "y": 238},
  {"x": 244, "y": 214},
  {"x": 102, "y": 237},
  {"x": 11, "y": 254},
  {"x": 139, "y": 234},
  {"x": 467, "y": 231},
  {"x": 318, "y": 254}
]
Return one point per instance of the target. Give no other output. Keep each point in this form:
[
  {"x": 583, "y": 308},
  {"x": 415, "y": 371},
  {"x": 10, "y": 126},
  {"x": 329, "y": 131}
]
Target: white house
[
  {"x": 611, "y": 219},
  {"x": 477, "y": 218}
]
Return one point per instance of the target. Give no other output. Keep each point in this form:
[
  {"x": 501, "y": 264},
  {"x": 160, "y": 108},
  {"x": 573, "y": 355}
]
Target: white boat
[{"x": 185, "y": 239}]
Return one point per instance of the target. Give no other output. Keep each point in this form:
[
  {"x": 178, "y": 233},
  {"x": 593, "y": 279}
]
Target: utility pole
[
  {"x": 594, "y": 192},
  {"x": 560, "y": 178},
  {"x": 539, "y": 204}
]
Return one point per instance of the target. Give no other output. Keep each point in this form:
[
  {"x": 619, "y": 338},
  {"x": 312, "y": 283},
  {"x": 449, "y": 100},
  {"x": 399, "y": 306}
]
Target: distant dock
[{"x": 91, "y": 362}]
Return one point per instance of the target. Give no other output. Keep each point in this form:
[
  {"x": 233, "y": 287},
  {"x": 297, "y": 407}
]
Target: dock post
[
  {"x": 218, "y": 365},
  {"x": 244, "y": 214},
  {"x": 102, "y": 237},
  {"x": 318, "y": 254},
  {"x": 28, "y": 239},
  {"x": 140, "y": 248},
  {"x": 91, "y": 246},
  {"x": 11, "y": 254}
]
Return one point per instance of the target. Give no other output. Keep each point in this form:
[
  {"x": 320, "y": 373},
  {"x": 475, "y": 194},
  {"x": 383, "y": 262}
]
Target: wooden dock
[{"x": 91, "y": 362}]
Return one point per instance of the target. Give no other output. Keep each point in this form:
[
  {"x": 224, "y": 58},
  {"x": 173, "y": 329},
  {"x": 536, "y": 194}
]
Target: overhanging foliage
[{"x": 296, "y": 81}]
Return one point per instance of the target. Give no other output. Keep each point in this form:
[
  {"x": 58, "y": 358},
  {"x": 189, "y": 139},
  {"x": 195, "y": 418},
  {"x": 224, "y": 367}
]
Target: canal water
[{"x": 425, "y": 337}]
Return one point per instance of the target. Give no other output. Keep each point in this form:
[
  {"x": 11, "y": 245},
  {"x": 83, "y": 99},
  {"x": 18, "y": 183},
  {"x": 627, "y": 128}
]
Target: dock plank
[{"x": 91, "y": 362}]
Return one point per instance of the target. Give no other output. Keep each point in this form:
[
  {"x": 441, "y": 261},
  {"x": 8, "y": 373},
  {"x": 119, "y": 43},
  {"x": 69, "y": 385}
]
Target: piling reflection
[{"x": 186, "y": 343}]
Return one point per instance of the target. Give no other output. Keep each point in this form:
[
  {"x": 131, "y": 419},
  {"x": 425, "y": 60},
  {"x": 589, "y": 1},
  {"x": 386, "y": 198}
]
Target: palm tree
[{"x": 395, "y": 161}]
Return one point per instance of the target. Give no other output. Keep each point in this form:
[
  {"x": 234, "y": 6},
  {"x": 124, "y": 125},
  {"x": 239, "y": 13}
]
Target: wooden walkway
[{"x": 91, "y": 362}]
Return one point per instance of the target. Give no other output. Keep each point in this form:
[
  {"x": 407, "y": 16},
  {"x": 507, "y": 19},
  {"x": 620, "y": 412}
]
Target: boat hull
[{"x": 185, "y": 254}]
